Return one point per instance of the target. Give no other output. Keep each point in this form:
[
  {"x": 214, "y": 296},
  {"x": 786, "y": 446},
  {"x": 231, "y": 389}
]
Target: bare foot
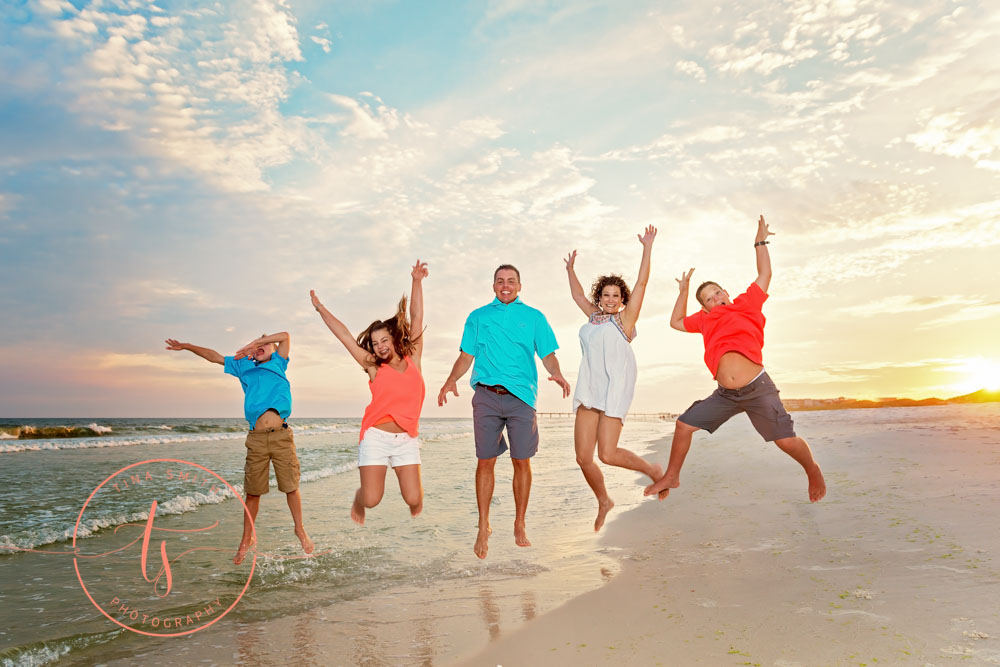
[
  {"x": 307, "y": 544},
  {"x": 521, "y": 536},
  {"x": 662, "y": 486},
  {"x": 482, "y": 541},
  {"x": 417, "y": 509},
  {"x": 817, "y": 485},
  {"x": 603, "y": 507},
  {"x": 358, "y": 510},
  {"x": 241, "y": 552}
]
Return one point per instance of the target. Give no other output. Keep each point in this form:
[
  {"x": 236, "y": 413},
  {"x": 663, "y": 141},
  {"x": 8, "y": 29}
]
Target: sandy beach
[{"x": 898, "y": 565}]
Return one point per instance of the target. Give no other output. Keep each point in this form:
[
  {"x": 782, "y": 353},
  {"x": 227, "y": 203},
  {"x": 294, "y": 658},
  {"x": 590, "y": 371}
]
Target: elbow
[{"x": 677, "y": 324}]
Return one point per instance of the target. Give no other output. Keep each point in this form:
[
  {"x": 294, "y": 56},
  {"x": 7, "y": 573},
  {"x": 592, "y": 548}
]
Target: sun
[{"x": 978, "y": 373}]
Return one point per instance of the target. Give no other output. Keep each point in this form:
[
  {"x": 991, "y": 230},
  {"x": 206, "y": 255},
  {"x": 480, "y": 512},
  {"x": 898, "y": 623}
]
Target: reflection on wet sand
[{"x": 491, "y": 611}]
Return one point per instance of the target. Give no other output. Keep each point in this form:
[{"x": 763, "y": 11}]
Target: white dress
[{"x": 607, "y": 371}]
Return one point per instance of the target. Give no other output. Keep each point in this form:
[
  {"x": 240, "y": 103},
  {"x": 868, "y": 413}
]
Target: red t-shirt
[{"x": 735, "y": 328}]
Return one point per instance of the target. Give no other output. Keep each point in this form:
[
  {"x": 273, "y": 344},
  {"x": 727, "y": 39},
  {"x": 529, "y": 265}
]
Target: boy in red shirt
[{"x": 734, "y": 335}]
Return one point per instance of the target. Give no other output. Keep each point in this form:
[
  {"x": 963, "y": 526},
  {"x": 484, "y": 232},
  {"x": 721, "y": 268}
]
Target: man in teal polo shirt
[{"x": 503, "y": 338}]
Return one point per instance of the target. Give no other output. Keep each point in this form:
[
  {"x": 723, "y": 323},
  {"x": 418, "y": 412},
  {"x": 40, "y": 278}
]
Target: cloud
[
  {"x": 324, "y": 43},
  {"x": 900, "y": 303}
]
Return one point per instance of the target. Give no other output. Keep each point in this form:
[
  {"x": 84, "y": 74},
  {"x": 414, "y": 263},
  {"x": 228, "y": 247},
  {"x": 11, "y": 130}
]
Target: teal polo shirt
[
  {"x": 264, "y": 385},
  {"x": 504, "y": 339}
]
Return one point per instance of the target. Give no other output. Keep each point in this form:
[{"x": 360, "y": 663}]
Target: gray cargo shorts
[
  {"x": 495, "y": 408},
  {"x": 759, "y": 400}
]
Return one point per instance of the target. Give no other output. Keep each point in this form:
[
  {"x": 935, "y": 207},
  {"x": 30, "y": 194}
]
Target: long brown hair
[{"x": 398, "y": 326}]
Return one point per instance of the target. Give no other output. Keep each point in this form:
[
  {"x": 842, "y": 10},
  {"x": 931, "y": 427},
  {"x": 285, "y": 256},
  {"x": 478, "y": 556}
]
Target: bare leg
[
  {"x": 369, "y": 494},
  {"x": 484, "y": 494},
  {"x": 247, "y": 541},
  {"x": 294, "y": 499},
  {"x": 609, "y": 430},
  {"x": 585, "y": 441},
  {"x": 410, "y": 487},
  {"x": 799, "y": 450},
  {"x": 522, "y": 489},
  {"x": 678, "y": 450}
]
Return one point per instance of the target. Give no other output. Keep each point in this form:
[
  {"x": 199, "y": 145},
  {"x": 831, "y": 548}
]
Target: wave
[
  {"x": 32, "y": 539},
  {"x": 444, "y": 437},
  {"x": 127, "y": 441}
]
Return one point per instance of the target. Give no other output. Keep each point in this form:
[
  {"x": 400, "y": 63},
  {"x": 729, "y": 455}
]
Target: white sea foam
[
  {"x": 32, "y": 539},
  {"x": 97, "y": 428}
]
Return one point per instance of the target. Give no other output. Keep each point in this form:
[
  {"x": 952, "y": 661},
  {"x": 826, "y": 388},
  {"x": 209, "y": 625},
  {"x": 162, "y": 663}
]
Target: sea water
[{"x": 49, "y": 468}]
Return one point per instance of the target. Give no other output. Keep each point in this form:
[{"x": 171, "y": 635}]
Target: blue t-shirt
[
  {"x": 264, "y": 385},
  {"x": 504, "y": 339}
]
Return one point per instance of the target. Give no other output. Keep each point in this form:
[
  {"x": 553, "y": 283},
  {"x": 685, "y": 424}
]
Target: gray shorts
[
  {"x": 759, "y": 400},
  {"x": 491, "y": 412}
]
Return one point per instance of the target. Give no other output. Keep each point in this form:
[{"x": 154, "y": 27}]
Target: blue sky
[{"x": 191, "y": 170}]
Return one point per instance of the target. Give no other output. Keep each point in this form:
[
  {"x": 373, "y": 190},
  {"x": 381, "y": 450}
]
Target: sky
[{"x": 188, "y": 170}]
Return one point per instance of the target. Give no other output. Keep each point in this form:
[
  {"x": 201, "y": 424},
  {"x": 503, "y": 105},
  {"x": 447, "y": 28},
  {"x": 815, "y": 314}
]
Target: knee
[
  {"x": 370, "y": 498},
  {"x": 607, "y": 456},
  {"x": 413, "y": 498},
  {"x": 584, "y": 460},
  {"x": 680, "y": 428}
]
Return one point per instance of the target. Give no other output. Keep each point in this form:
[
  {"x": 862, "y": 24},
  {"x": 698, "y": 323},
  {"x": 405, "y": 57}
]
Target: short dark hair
[
  {"x": 604, "y": 281},
  {"x": 697, "y": 292},
  {"x": 508, "y": 267}
]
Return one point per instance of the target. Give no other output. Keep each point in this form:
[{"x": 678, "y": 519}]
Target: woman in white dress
[{"x": 606, "y": 382}]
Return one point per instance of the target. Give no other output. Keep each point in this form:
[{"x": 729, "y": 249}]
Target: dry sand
[{"x": 897, "y": 566}]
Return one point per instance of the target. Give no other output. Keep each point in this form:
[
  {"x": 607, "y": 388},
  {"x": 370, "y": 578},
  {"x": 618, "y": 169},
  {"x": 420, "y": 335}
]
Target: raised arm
[
  {"x": 763, "y": 256},
  {"x": 418, "y": 274},
  {"x": 631, "y": 313},
  {"x": 461, "y": 367},
  {"x": 555, "y": 374},
  {"x": 283, "y": 340},
  {"x": 680, "y": 306},
  {"x": 343, "y": 334},
  {"x": 203, "y": 352},
  {"x": 576, "y": 289}
]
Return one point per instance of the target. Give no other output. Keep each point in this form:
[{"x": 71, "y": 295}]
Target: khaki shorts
[{"x": 263, "y": 448}]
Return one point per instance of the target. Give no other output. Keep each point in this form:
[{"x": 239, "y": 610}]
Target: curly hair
[
  {"x": 604, "y": 281},
  {"x": 398, "y": 327}
]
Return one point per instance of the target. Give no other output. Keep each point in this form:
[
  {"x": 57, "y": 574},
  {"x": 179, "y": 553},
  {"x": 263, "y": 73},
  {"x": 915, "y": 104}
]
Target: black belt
[{"x": 495, "y": 388}]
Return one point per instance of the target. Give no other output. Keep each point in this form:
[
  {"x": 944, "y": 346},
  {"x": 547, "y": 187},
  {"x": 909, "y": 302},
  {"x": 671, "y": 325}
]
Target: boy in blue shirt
[{"x": 267, "y": 402}]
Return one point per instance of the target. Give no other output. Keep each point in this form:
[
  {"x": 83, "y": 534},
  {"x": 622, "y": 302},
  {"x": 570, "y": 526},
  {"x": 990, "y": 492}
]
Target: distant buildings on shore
[{"x": 842, "y": 403}]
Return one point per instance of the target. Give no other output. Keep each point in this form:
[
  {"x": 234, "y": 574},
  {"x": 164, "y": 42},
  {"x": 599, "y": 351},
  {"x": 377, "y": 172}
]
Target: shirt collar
[{"x": 498, "y": 302}]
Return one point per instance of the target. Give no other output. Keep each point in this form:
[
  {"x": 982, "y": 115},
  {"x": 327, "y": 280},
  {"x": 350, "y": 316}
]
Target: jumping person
[
  {"x": 503, "y": 338},
  {"x": 733, "y": 331},
  {"x": 267, "y": 403},
  {"x": 389, "y": 351},
  {"x": 606, "y": 382}
]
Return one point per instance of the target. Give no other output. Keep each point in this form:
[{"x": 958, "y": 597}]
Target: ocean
[{"x": 359, "y": 577}]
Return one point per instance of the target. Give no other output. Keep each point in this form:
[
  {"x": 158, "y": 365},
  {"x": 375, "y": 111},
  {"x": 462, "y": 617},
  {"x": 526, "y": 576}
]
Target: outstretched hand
[
  {"x": 762, "y": 230},
  {"x": 684, "y": 280},
  {"x": 647, "y": 238},
  {"x": 561, "y": 381},
  {"x": 315, "y": 299},
  {"x": 419, "y": 271},
  {"x": 174, "y": 345},
  {"x": 570, "y": 261},
  {"x": 247, "y": 349},
  {"x": 443, "y": 394}
]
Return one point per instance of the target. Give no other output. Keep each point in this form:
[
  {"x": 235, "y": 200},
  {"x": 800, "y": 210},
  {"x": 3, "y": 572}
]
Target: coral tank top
[{"x": 396, "y": 396}]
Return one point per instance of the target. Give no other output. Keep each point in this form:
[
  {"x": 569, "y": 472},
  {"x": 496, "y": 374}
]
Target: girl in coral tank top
[{"x": 389, "y": 351}]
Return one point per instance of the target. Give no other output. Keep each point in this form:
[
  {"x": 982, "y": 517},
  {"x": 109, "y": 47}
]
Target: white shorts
[{"x": 381, "y": 448}]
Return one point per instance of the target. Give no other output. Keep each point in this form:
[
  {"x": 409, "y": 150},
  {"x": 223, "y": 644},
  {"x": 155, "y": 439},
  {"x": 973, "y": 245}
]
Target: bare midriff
[
  {"x": 389, "y": 426},
  {"x": 270, "y": 419},
  {"x": 736, "y": 371}
]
